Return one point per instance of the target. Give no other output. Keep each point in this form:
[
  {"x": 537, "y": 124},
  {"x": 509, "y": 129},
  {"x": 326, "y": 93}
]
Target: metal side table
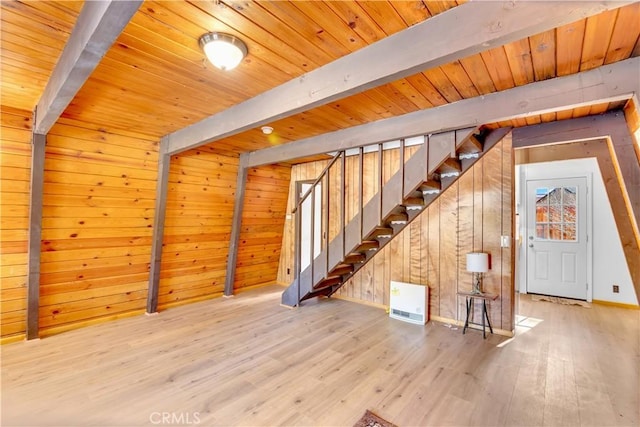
[{"x": 470, "y": 297}]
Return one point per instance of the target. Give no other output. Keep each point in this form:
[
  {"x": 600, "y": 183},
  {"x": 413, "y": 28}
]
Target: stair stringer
[
  {"x": 493, "y": 138},
  {"x": 419, "y": 168}
]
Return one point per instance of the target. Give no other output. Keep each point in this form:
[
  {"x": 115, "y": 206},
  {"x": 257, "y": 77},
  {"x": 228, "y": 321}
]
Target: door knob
[{"x": 530, "y": 245}]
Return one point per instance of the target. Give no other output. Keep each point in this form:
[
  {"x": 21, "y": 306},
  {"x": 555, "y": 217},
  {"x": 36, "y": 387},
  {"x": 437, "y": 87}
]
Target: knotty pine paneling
[
  {"x": 98, "y": 204},
  {"x": 198, "y": 222},
  {"x": 15, "y": 169},
  {"x": 472, "y": 214},
  {"x": 199, "y": 217},
  {"x": 27, "y": 62},
  {"x": 263, "y": 219}
]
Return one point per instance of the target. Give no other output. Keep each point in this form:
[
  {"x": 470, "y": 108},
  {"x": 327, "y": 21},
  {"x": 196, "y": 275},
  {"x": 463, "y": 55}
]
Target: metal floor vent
[{"x": 410, "y": 316}]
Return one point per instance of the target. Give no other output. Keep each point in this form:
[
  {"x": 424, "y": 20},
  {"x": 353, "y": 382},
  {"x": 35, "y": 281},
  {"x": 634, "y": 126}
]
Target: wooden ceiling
[{"x": 155, "y": 80}]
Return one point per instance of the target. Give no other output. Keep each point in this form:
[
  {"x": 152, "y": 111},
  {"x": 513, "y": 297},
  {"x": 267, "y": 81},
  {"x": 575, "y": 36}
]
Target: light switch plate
[{"x": 505, "y": 241}]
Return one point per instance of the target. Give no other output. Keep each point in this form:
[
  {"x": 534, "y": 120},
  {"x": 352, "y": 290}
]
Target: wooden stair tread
[
  {"x": 381, "y": 231},
  {"x": 450, "y": 165},
  {"x": 471, "y": 145},
  {"x": 328, "y": 282},
  {"x": 397, "y": 218},
  {"x": 341, "y": 269},
  {"x": 429, "y": 184},
  {"x": 354, "y": 258},
  {"x": 318, "y": 292},
  {"x": 413, "y": 201},
  {"x": 367, "y": 245}
]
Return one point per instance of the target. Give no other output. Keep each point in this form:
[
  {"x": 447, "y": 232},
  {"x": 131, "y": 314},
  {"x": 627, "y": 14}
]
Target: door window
[{"x": 556, "y": 213}]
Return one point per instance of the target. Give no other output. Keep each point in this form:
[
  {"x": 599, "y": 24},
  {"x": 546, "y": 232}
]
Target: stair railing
[
  {"x": 324, "y": 180},
  {"x": 367, "y": 225},
  {"x": 320, "y": 265}
]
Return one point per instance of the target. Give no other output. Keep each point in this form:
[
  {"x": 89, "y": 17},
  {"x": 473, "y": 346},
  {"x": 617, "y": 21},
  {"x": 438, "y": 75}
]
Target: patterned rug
[
  {"x": 369, "y": 419},
  {"x": 558, "y": 300}
]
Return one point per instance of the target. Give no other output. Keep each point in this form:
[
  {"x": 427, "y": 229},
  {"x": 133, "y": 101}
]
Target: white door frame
[
  {"x": 541, "y": 172},
  {"x": 306, "y": 227}
]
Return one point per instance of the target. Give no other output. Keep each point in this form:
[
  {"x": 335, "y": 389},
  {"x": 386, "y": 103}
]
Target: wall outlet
[{"x": 616, "y": 289}]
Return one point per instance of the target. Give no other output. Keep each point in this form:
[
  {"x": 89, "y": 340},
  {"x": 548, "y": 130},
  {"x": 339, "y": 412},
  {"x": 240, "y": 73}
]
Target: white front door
[
  {"x": 556, "y": 241},
  {"x": 306, "y": 228}
]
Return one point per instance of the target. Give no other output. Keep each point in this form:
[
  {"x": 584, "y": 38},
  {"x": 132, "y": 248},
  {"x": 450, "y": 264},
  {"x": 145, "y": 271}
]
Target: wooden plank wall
[
  {"x": 98, "y": 202},
  {"x": 99, "y": 197},
  {"x": 198, "y": 225},
  {"x": 199, "y": 213},
  {"x": 263, "y": 219},
  {"x": 15, "y": 169},
  {"x": 471, "y": 215},
  {"x": 99, "y": 191}
]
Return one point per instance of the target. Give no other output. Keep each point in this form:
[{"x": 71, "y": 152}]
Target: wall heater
[{"x": 409, "y": 302}]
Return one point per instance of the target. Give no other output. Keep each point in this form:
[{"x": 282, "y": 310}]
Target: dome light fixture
[
  {"x": 223, "y": 50},
  {"x": 266, "y": 130}
]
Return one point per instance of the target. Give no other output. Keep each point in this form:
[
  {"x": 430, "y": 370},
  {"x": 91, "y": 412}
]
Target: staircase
[{"x": 437, "y": 164}]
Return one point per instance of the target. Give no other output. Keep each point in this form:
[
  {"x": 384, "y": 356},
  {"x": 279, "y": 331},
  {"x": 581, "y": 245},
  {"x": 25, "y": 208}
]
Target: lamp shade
[
  {"x": 478, "y": 262},
  {"x": 223, "y": 50}
]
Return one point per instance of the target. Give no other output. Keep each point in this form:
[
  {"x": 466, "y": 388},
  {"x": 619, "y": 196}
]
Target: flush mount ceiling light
[
  {"x": 223, "y": 50},
  {"x": 267, "y": 130}
]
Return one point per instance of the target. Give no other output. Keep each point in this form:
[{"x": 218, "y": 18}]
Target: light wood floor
[{"x": 248, "y": 361}]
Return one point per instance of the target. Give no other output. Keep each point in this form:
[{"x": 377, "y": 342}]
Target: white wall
[{"x": 609, "y": 263}]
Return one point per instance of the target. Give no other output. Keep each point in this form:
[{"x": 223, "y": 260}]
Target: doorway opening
[
  {"x": 554, "y": 211},
  {"x": 553, "y": 227},
  {"x": 556, "y": 242},
  {"x": 311, "y": 222}
]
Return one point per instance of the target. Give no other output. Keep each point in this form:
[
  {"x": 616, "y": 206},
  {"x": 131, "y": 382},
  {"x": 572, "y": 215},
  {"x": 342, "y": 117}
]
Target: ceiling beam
[
  {"x": 479, "y": 27},
  {"x": 99, "y": 24},
  {"x": 608, "y": 83}
]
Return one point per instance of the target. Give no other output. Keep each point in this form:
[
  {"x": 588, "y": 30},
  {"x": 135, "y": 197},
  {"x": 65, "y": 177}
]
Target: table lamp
[{"x": 477, "y": 263}]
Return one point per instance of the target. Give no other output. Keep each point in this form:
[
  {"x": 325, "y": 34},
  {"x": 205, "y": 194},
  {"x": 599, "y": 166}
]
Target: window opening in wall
[{"x": 556, "y": 213}]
